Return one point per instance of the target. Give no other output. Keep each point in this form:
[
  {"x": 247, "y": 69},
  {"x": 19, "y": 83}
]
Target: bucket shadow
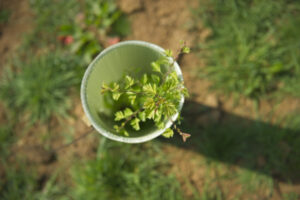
[{"x": 250, "y": 144}]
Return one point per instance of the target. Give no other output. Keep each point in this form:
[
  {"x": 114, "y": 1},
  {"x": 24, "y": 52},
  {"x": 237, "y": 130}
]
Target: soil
[
  {"x": 19, "y": 22},
  {"x": 162, "y": 22}
]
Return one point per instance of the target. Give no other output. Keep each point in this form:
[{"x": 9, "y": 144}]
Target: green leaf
[
  {"x": 155, "y": 67},
  {"x": 160, "y": 125},
  {"x": 135, "y": 124},
  {"x": 185, "y": 92},
  {"x": 124, "y": 132},
  {"x": 186, "y": 50},
  {"x": 149, "y": 104},
  {"x": 150, "y": 114},
  {"x": 144, "y": 79},
  {"x": 115, "y": 87},
  {"x": 117, "y": 128},
  {"x": 104, "y": 88},
  {"x": 128, "y": 82},
  {"x": 155, "y": 78},
  {"x": 116, "y": 96},
  {"x": 168, "y": 133},
  {"x": 164, "y": 60},
  {"x": 169, "y": 53},
  {"x": 157, "y": 116},
  {"x": 119, "y": 116},
  {"x": 151, "y": 89},
  {"x": 127, "y": 112},
  {"x": 174, "y": 76},
  {"x": 169, "y": 109},
  {"x": 142, "y": 116},
  {"x": 132, "y": 99}
]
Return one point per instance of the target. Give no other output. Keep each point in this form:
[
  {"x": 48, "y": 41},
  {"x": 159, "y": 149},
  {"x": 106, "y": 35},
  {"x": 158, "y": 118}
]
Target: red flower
[
  {"x": 68, "y": 39},
  {"x": 113, "y": 40}
]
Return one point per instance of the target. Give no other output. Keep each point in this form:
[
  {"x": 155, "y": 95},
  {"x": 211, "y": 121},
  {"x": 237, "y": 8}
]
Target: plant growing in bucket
[{"x": 133, "y": 92}]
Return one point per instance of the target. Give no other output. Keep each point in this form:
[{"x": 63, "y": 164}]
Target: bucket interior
[{"x": 110, "y": 66}]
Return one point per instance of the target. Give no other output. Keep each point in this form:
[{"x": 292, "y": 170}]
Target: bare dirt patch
[{"x": 19, "y": 22}]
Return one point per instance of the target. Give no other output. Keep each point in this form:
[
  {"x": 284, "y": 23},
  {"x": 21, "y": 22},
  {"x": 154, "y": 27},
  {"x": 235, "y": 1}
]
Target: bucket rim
[{"x": 103, "y": 131}]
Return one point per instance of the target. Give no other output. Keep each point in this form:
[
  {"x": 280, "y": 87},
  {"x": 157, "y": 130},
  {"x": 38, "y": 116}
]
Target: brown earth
[{"x": 20, "y": 21}]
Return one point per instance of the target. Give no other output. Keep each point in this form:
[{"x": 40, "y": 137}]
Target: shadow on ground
[{"x": 258, "y": 146}]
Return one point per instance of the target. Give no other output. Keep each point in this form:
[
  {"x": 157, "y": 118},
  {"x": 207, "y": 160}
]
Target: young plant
[
  {"x": 4, "y": 16},
  {"x": 122, "y": 166},
  {"x": 37, "y": 89},
  {"x": 86, "y": 34},
  {"x": 155, "y": 96}
]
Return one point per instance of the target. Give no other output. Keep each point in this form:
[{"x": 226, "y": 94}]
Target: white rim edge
[{"x": 106, "y": 133}]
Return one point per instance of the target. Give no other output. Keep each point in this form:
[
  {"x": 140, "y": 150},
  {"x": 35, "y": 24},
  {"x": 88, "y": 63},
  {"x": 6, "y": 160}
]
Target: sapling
[{"x": 154, "y": 96}]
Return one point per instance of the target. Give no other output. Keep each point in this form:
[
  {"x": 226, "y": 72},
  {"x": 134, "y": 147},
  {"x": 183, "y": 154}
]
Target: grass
[
  {"x": 49, "y": 16},
  {"x": 242, "y": 158},
  {"x": 4, "y": 16},
  {"x": 256, "y": 146},
  {"x": 20, "y": 182},
  {"x": 120, "y": 171},
  {"x": 95, "y": 21},
  {"x": 17, "y": 184},
  {"x": 123, "y": 171},
  {"x": 6, "y": 139},
  {"x": 86, "y": 24},
  {"x": 254, "y": 46},
  {"x": 37, "y": 88}
]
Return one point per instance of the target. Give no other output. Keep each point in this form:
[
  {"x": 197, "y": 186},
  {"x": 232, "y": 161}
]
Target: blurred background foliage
[{"x": 253, "y": 48}]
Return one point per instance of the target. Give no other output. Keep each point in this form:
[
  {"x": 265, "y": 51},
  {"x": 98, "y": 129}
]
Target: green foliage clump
[
  {"x": 121, "y": 171},
  {"x": 154, "y": 96},
  {"x": 93, "y": 23},
  {"x": 37, "y": 89},
  {"x": 4, "y": 16},
  {"x": 6, "y": 140},
  {"x": 49, "y": 16},
  {"x": 17, "y": 184},
  {"x": 79, "y": 27},
  {"x": 20, "y": 182},
  {"x": 254, "y": 46}
]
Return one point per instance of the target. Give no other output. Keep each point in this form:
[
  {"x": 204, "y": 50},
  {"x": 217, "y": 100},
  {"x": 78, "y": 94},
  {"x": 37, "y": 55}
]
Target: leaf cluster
[
  {"x": 155, "y": 96},
  {"x": 95, "y": 21},
  {"x": 125, "y": 167},
  {"x": 36, "y": 89}
]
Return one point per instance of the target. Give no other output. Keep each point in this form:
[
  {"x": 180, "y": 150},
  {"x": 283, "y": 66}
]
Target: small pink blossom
[
  {"x": 113, "y": 40},
  {"x": 68, "y": 39}
]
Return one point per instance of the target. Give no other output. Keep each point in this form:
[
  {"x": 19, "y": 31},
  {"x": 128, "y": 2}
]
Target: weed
[
  {"x": 37, "y": 88},
  {"x": 17, "y": 184},
  {"x": 49, "y": 15},
  {"x": 4, "y": 16},
  {"x": 6, "y": 139},
  {"x": 93, "y": 23},
  {"x": 290, "y": 196},
  {"x": 122, "y": 172},
  {"x": 252, "y": 181},
  {"x": 254, "y": 46},
  {"x": 22, "y": 183}
]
